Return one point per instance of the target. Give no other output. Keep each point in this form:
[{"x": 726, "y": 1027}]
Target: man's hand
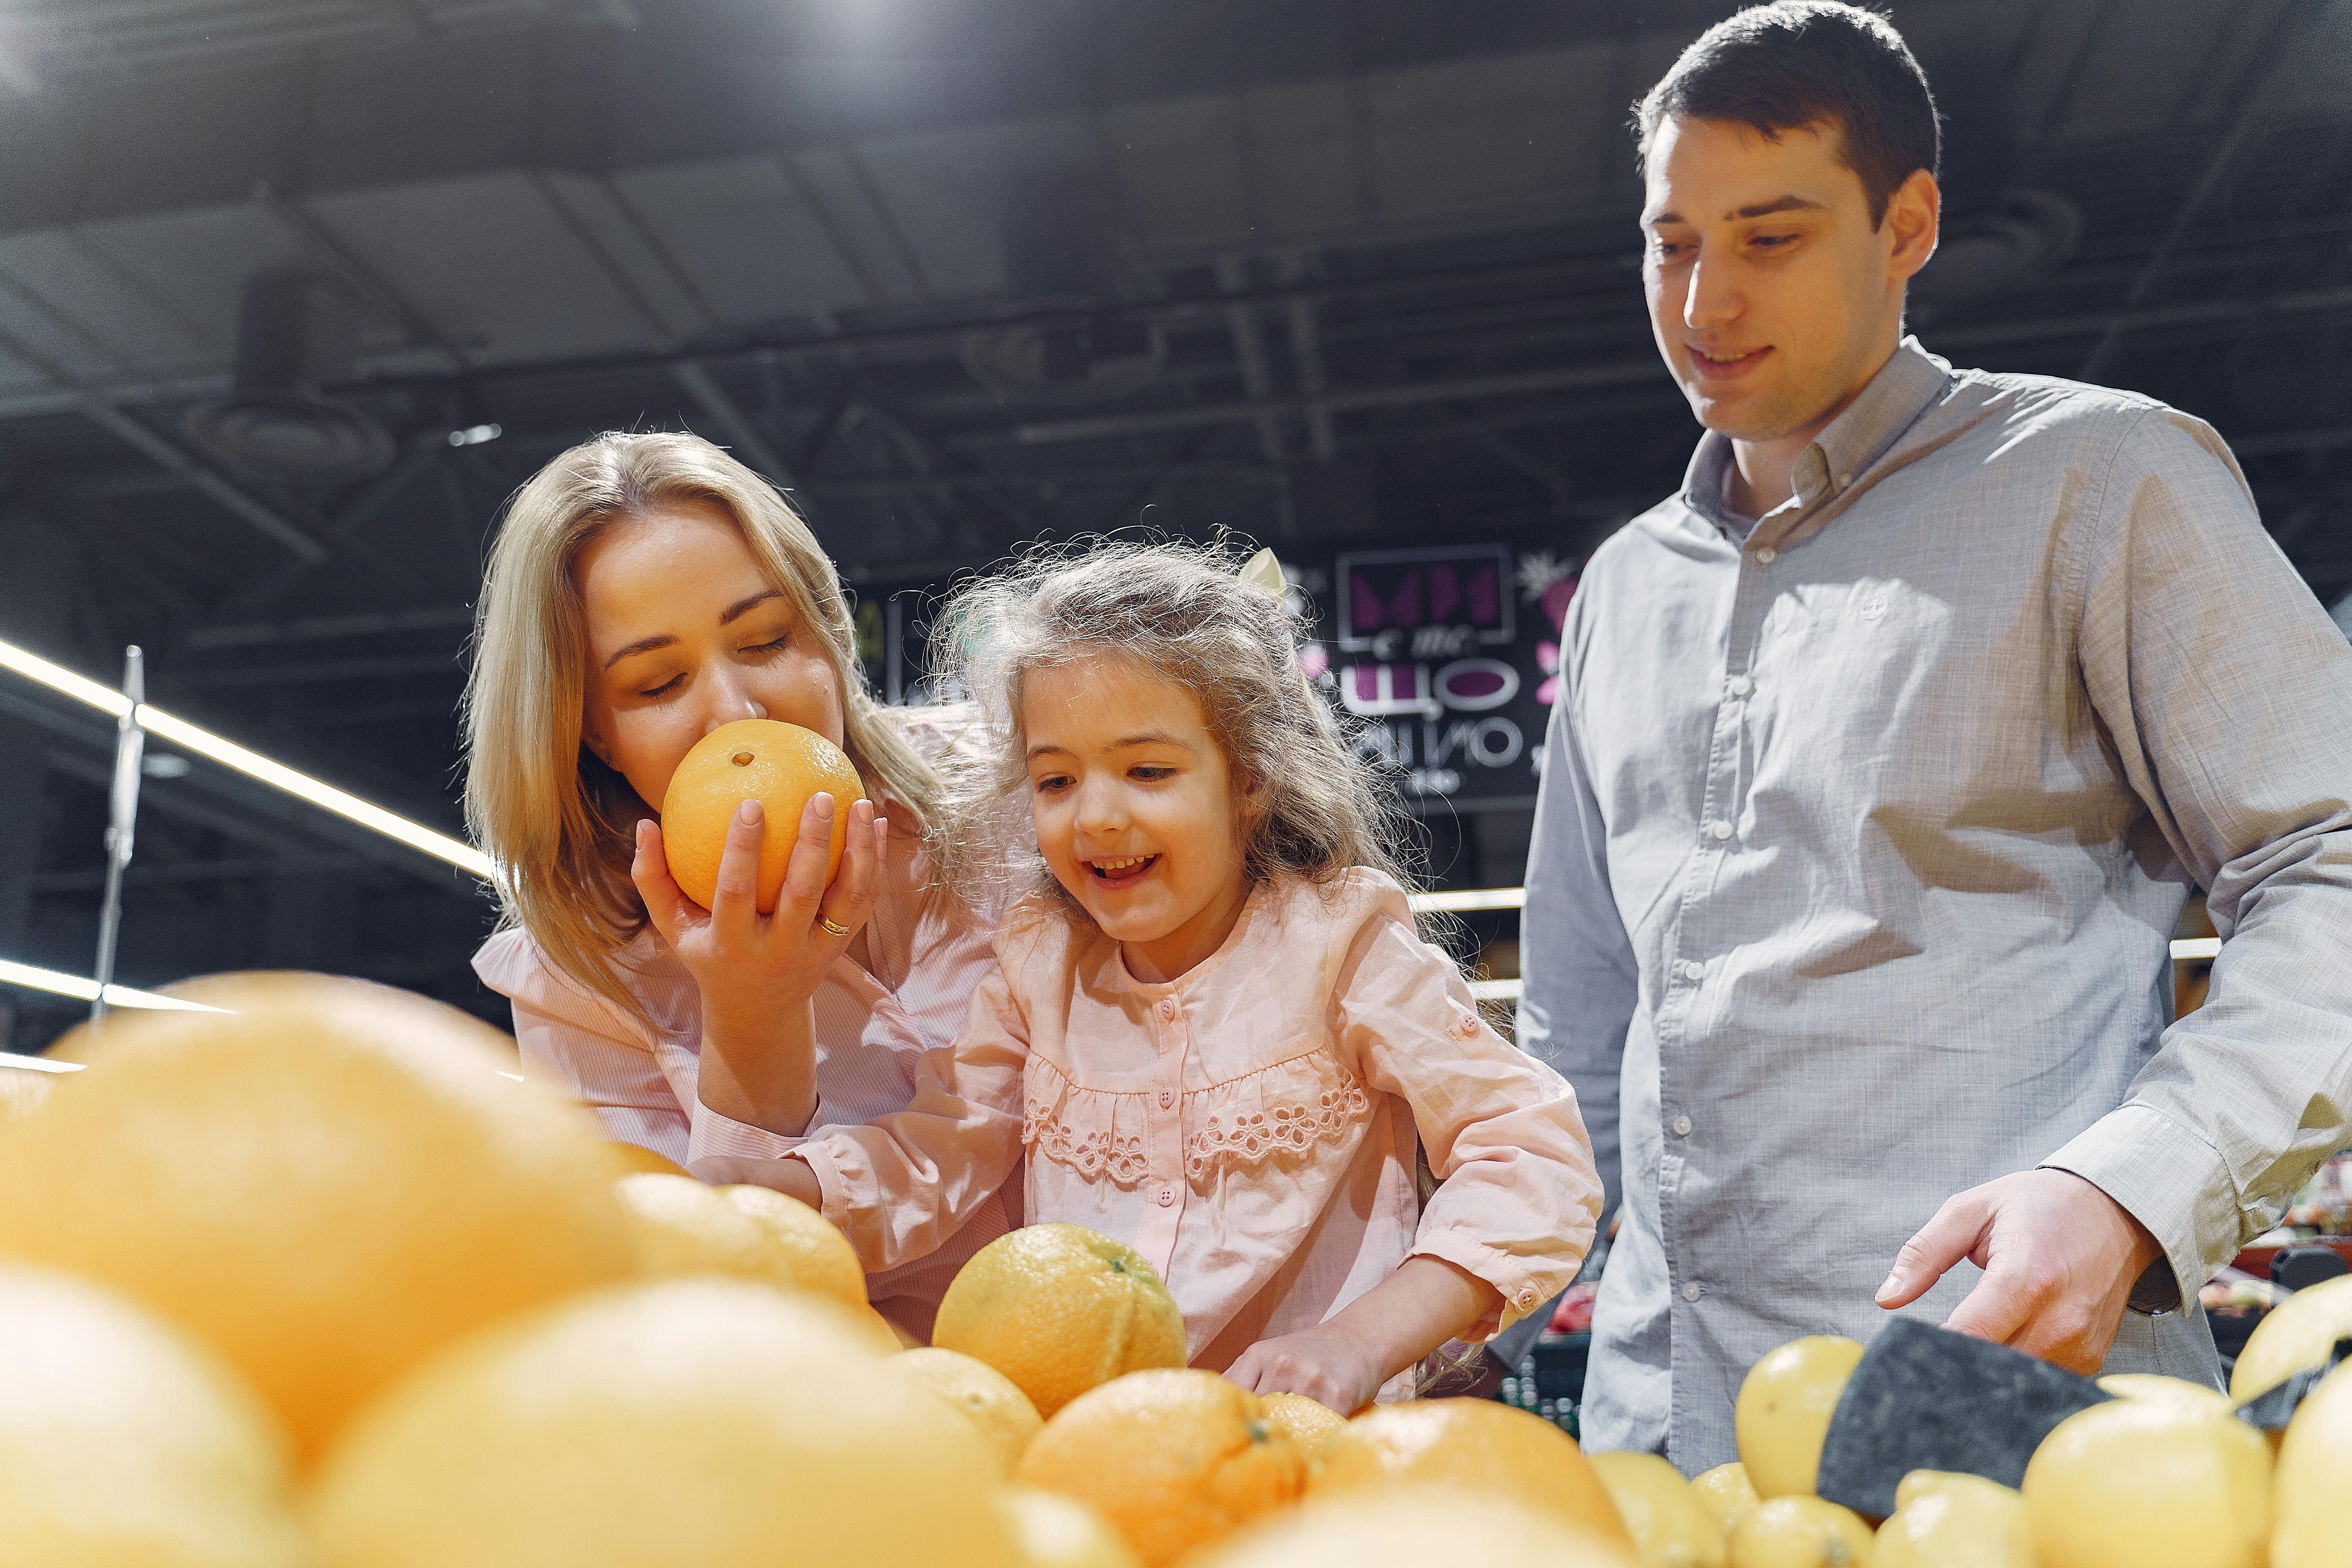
[{"x": 2059, "y": 1256}]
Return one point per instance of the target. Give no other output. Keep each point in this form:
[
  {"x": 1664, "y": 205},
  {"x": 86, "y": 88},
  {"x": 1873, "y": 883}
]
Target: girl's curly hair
[{"x": 1310, "y": 808}]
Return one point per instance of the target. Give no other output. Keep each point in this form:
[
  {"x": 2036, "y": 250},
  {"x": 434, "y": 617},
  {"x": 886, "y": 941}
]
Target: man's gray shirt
[{"x": 1860, "y": 846}]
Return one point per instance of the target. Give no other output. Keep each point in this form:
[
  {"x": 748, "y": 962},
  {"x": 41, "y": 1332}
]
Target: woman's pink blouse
[{"x": 1249, "y": 1128}]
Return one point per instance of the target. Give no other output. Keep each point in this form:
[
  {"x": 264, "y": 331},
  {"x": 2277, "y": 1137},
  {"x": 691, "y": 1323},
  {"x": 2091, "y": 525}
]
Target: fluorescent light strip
[
  {"x": 253, "y": 764},
  {"x": 85, "y": 990},
  {"x": 37, "y": 1063},
  {"x": 1470, "y": 898}
]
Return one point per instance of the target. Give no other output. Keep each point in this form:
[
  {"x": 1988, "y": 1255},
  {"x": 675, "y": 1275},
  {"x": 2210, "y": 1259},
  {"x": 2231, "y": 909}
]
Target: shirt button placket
[{"x": 1156, "y": 1238}]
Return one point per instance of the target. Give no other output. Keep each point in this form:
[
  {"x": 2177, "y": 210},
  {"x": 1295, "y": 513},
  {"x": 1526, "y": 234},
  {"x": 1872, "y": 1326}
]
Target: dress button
[
  {"x": 1765, "y": 556},
  {"x": 1741, "y": 685},
  {"x": 1167, "y": 1006},
  {"x": 1718, "y": 831},
  {"x": 1466, "y": 1025},
  {"x": 1691, "y": 1292},
  {"x": 1167, "y": 1098},
  {"x": 1167, "y": 1196},
  {"x": 1527, "y": 1297},
  {"x": 1682, "y": 1126},
  {"x": 1693, "y": 970},
  {"x": 1844, "y": 480}
]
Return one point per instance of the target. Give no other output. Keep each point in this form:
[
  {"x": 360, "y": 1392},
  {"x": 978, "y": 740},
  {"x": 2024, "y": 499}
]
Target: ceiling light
[
  {"x": 475, "y": 435},
  {"x": 58, "y": 982},
  {"x": 253, "y": 764}
]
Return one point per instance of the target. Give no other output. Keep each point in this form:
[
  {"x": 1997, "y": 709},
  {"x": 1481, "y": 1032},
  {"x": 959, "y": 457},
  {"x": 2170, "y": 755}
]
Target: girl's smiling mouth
[{"x": 1123, "y": 872}]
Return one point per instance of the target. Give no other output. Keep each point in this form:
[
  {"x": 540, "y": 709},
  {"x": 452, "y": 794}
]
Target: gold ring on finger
[{"x": 826, "y": 921}]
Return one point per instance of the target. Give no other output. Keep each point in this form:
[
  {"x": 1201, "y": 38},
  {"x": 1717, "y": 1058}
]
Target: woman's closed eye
[{"x": 664, "y": 688}]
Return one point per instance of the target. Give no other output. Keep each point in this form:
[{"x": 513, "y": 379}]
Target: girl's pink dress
[{"x": 1249, "y": 1128}]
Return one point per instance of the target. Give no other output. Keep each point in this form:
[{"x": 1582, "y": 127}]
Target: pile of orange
[{"x": 317, "y": 1280}]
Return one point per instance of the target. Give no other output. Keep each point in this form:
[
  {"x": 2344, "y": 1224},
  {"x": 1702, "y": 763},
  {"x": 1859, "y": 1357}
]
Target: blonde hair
[
  {"x": 555, "y": 818},
  {"x": 1309, "y": 808}
]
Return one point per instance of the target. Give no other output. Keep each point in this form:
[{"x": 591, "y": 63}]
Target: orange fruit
[
  {"x": 709, "y": 1422},
  {"x": 778, "y": 765},
  {"x": 1059, "y": 1310},
  {"x": 125, "y": 1444},
  {"x": 1474, "y": 1443},
  {"x": 1670, "y": 1526},
  {"x": 1801, "y": 1530},
  {"x": 1058, "y": 1531},
  {"x": 1310, "y": 1424},
  {"x": 629, "y": 1159},
  {"x": 984, "y": 1396},
  {"x": 1424, "y": 1524},
  {"x": 678, "y": 1227},
  {"x": 1173, "y": 1459},
  {"x": 22, "y": 1090},
  {"x": 814, "y": 1254},
  {"x": 325, "y": 1187}
]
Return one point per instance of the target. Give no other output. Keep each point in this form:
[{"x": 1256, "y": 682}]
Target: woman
[{"x": 645, "y": 590}]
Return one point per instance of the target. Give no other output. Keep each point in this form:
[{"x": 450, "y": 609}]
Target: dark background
[{"x": 1345, "y": 276}]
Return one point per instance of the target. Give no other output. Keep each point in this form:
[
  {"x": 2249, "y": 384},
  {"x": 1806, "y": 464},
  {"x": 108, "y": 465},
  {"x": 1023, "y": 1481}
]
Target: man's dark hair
[{"x": 1808, "y": 63}]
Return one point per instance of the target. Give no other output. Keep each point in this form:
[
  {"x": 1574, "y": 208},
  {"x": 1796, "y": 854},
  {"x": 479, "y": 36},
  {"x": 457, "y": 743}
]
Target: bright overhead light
[
  {"x": 85, "y": 990},
  {"x": 475, "y": 435},
  {"x": 1470, "y": 898},
  {"x": 253, "y": 764}
]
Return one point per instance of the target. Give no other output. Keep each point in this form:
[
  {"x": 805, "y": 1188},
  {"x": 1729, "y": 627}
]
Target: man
[{"x": 1884, "y": 757}]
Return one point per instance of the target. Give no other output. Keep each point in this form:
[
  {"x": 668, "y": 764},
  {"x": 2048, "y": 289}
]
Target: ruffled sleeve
[{"x": 1520, "y": 1196}]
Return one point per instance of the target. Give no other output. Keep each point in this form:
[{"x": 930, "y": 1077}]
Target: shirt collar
[{"x": 1888, "y": 405}]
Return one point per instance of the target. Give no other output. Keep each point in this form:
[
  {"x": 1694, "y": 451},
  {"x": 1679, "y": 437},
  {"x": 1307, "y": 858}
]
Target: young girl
[
  {"x": 644, "y": 590},
  {"x": 1213, "y": 1027}
]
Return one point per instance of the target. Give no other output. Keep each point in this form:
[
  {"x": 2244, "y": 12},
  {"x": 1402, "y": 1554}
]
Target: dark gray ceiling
[{"x": 1346, "y": 270}]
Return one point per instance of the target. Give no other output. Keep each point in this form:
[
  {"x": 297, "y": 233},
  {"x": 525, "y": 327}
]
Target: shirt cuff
[
  {"x": 2168, "y": 1178},
  {"x": 715, "y": 1134},
  {"x": 1521, "y": 1290}
]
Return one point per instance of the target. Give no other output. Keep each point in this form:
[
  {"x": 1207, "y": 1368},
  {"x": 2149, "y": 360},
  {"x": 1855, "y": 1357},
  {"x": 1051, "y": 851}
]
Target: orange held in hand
[{"x": 778, "y": 765}]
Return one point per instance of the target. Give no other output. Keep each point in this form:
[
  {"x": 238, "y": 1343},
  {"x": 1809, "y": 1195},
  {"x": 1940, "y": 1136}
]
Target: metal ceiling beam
[
  {"x": 159, "y": 874},
  {"x": 1249, "y": 348},
  {"x": 265, "y": 518},
  {"x": 2255, "y": 105},
  {"x": 320, "y": 629},
  {"x": 730, "y": 420},
  {"x": 1648, "y": 367}
]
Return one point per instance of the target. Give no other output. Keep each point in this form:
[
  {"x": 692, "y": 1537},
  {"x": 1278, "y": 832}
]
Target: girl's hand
[
  {"x": 1326, "y": 1363},
  {"x": 756, "y": 972},
  {"x": 1343, "y": 1361}
]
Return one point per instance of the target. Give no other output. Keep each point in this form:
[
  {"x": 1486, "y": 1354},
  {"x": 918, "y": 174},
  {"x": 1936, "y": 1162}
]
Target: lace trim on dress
[
  {"x": 1295, "y": 1126},
  {"x": 1290, "y": 1107}
]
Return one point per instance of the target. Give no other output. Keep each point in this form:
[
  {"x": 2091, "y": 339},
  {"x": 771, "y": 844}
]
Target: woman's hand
[
  {"x": 1326, "y": 1363},
  {"x": 756, "y": 972}
]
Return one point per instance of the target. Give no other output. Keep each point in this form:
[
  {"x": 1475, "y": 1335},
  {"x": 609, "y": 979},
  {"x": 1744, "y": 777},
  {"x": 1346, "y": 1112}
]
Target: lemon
[
  {"x": 1784, "y": 1409},
  {"x": 978, "y": 1392},
  {"x": 1310, "y": 1425},
  {"x": 1670, "y": 1527},
  {"x": 1430, "y": 1524},
  {"x": 2314, "y": 1476},
  {"x": 1059, "y": 1310},
  {"x": 2298, "y": 1332},
  {"x": 1946, "y": 1521},
  {"x": 1800, "y": 1532},
  {"x": 1058, "y": 1531},
  {"x": 124, "y": 1443},
  {"x": 1727, "y": 1495},
  {"x": 709, "y": 1421},
  {"x": 326, "y": 1185},
  {"x": 2149, "y": 1385},
  {"x": 2150, "y": 1481}
]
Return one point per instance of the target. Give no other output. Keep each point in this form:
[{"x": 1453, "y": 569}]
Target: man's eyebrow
[
  {"x": 740, "y": 606},
  {"x": 643, "y": 644},
  {"x": 1788, "y": 204}
]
